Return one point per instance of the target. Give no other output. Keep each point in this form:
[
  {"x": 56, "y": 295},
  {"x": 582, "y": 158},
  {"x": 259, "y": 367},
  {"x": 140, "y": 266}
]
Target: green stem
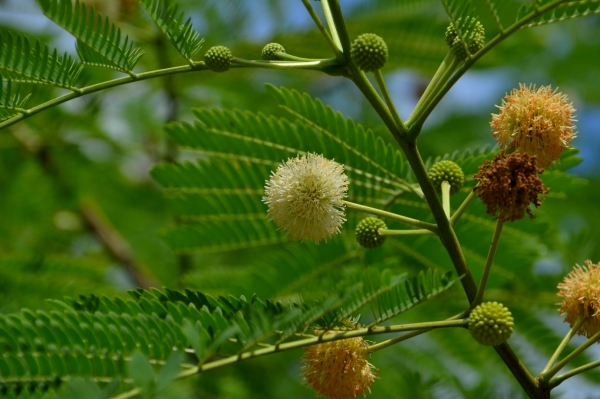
[
  {"x": 364, "y": 85},
  {"x": 332, "y": 27},
  {"x": 433, "y": 325},
  {"x": 393, "y": 216},
  {"x": 326, "y": 35},
  {"x": 413, "y": 334},
  {"x": 554, "y": 382},
  {"x": 563, "y": 344},
  {"x": 388, "y": 99},
  {"x": 446, "y": 62},
  {"x": 462, "y": 208},
  {"x": 419, "y": 116},
  {"x": 447, "y": 234},
  {"x": 317, "y": 64},
  {"x": 129, "y": 394},
  {"x": 556, "y": 368},
  {"x": 420, "y": 232},
  {"x": 415, "y": 128},
  {"x": 446, "y": 197},
  {"x": 488, "y": 263},
  {"x": 361, "y": 332},
  {"x": 290, "y": 57},
  {"x": 340, "y": 25},
  {"x": 98, "y": 87},
  {"x": 452, "y": 245}
]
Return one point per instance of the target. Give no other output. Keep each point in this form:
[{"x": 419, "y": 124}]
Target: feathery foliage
[
  {"x": 10, "y": 103},
  {"x": 100, "y": 42},
  {"x": 563, "y": 12},
  {"x": 98, "y": 338},
  {"x": 26, "y": 63},
  {"x": 167, "y": 17},
  {"x": 238, "y": 150}
]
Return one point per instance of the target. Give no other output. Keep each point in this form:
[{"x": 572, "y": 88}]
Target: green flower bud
[
  {"x": 491, "y": 323},
  {"x": 218, "y": 58},
  {"x": 369, "y": 52},
  {"x": 366, "y": 232},
  {"x": 448, "y": 171},
  {"x": 472, "y": 32},
  {"x": 268, "y": 52}
]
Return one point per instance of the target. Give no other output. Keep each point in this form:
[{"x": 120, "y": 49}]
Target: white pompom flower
[{"x": 305, "y": 197}]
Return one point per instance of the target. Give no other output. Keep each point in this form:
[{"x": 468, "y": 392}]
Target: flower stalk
[{"x": 399, "y": 218}]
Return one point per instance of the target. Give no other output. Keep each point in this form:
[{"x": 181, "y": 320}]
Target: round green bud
[
  {"x": 369, "y": 52},
  {"x": 218, "y": 58},
  {"x": 270, "y": 50},
  {"x": 366, "y": 232},
  {"x": 448, "y": 171},
  {"x": 491, "y": 323},
  {"x": 472, "y": 32}
]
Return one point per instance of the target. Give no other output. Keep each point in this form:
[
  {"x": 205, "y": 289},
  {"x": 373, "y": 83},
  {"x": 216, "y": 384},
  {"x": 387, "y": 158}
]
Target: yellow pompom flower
[
  {"x": 536, "y": 122},
  {"x": 580, "y": 290},
  {"x": 339, "y": 369},
  {"x": 305, "y": 197}
]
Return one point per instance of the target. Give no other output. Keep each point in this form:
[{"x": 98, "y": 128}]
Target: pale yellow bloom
[
  {"x": 339, "y": 369},
  {"x": 305, "y": 197},
  {"x": 535, "y": 122},
  {"x": 581, "y": 292}
]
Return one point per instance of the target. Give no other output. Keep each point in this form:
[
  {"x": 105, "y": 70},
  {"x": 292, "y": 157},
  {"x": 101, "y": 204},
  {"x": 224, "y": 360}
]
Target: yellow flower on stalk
[
  {"x": 580, "y": 290},
  {"x": 339, "y": 369},
  {"x": 536, "y": 122},
  {"x": 305, "y": 197}
]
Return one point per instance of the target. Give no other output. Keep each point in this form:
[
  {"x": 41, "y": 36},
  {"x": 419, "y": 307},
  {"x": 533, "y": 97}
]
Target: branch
[{"x": 114, "y": 242}]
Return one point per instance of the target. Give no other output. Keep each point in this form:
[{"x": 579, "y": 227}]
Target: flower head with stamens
[
  {"x": 305, "y": 195},
  {"x": 535, "y": 122},
  {"x": 580, "y": 290},
  {"x": 509, "y": 184},
  {"x": 339, "y": 369}
]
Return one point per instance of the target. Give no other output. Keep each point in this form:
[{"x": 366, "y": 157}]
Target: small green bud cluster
[
  {"x": 491, "y": 323},
  {"x": 367, "y": 234},
  {"x": 369, "y": 52},
  {"x": 218, "y": 58},
  {"x": 472, "y": 32},
  {"x": 448, "y": 171},
  {"x": 270, "y": 50}
]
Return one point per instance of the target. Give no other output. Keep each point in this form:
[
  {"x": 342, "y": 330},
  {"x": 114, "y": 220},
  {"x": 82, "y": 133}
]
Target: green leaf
[
  {"x": 140, "y": 370},
  {"x": 167, "y": 17},
  {"x": 100, "y": 42},
  {"x": 219, "y": 198},
  {"x": 564, "y": 11},
  {"x": 23, "y": 62},
  {"x": 11, "y": 103}
]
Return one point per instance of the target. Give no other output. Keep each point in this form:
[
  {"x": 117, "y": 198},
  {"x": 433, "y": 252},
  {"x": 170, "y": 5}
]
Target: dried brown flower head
[
  {"x": 535, "y": 122},
  {"x": 339, "y": 369},
  {"x": 509, "y": 184},
  {"x": 581, "y": 292}
]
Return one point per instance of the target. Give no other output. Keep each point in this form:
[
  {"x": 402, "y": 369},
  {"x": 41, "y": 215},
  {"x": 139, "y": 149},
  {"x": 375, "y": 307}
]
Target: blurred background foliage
[{"x": 81, "y": 214}]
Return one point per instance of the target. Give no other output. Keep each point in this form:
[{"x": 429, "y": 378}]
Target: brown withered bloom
[
  {"x": 580, "y": 290},
  {"x": 509, "y": 184}
]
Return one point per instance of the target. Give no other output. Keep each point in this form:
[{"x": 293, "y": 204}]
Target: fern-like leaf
[
  {"x": 564, "y": 11},
  {"x": 95, "y": 34},
  {"x": 182, "y": 35},
  {"x": 101, "y": 338},
  {"x": 237, "y": 152},
  {"x": 23, "y": 62},
  {"x": 11, "y": 104}
]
